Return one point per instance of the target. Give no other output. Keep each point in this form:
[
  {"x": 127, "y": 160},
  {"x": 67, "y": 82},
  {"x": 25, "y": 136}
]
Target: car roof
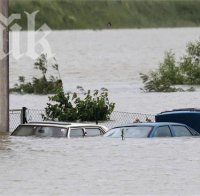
[
  {"x": 153, "y": 124},
  {"x": 182, "y": 110},
  {"x": 63, "y": 124}
]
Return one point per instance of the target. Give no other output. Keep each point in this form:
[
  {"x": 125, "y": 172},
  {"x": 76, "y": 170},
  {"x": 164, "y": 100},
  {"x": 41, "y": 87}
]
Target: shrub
[
  {"x": 90, "y": 106},
  {"x": 190, "y": 63},
  {"x": 166, "y": 75},
  {"x": 171, "y": 73},
  {"x": 42, "y": 85}
]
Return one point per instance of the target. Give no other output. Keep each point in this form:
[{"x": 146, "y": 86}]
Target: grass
[{"x": 97, "y": 14}]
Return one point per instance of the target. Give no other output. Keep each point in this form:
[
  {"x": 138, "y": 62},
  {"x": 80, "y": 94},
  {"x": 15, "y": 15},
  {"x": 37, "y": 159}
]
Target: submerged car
[
  {"x": 59, "y": 129},
  {"x": 188, "y": 116},
  {"x": 149, "y": 130}
]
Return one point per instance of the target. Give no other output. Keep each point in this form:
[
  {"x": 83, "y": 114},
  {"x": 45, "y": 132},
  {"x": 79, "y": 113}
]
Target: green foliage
[
  {"x": 41, "y": 64},
  {"x": 63, "y": 110},
  {"x": 190, "y": 64},
  {"x": 166, "y": 75},
  {"x": 90, "y": 14},
  {"x": 91, "y": 106},
  {"x": 40, "y": 85},
  {"x": 171, "y": 73}
]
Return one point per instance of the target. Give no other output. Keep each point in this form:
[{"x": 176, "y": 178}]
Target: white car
[{"x": 59, "y": 129}]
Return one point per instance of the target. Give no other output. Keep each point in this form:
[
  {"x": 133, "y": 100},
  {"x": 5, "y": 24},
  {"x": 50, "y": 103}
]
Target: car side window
[
  {"x": 76, "y": 132},
  {"x": 93, "y": 131},
  {"x": 163, "y": 131},
  {"x": 50, "y": 131},
  {"x": 180, "y": 131}
]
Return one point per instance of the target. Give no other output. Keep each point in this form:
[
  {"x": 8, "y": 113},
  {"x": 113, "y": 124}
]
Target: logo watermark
[{"x": 32, "y": 45}]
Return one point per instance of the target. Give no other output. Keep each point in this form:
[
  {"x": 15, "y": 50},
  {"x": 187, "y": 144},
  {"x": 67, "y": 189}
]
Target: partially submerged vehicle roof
[
  {"x": 188, "y": 116},
  {"x": 181, "y": 110},
  {"x": 153, "y": 124},
  {"x": 59, "y": 129},
  {"x": 148, "y": 130},
  {"x": 63, "y": 124}
]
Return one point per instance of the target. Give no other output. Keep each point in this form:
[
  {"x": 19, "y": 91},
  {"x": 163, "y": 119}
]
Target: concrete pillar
[{"x": 4, "y": 73}]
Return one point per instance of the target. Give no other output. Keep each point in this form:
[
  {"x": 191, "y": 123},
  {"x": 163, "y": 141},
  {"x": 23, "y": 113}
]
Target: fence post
[
  {"x": 96, "y": 116},
  {"x": 23, "y": 115}
]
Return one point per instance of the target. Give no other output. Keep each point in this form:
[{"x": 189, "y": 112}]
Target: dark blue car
[
  {"x": 147, "y": 130},
  {"x": 188, "y": 116}
]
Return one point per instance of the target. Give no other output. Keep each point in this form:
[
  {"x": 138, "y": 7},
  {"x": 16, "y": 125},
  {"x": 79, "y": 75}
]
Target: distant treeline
[{"x": 101, "y": 14}]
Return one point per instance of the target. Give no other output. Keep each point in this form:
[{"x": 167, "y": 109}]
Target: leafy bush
[
  {"x": 190, "y": 63},
  {"x": 171, "y": 73},
  {"x": 90, "y": 106},
  {"x": 42, "y": 85}
]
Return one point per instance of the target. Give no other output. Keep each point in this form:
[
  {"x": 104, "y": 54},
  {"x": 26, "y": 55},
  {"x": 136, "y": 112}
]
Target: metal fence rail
[{"x": 117, "y": 118}]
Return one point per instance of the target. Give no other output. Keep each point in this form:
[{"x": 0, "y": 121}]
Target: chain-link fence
[
  {"x": 15, "y": 118},
  {"x": 34, "y": 115},
  {"x": 117, "y": 118}
]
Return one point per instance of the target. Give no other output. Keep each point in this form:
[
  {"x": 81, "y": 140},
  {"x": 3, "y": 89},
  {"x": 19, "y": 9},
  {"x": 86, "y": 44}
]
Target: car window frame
[
  {"x": 173, "y": 132},
  {"x": 94, "y": 127},
  {"x": 84, "y": 129},
  {"x": 155, "y": 129},
  {"x": 69, "y": 131},
  {"x": 50, "y": 126}
]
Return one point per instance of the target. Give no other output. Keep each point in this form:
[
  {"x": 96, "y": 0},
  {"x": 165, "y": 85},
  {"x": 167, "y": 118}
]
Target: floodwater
[
  {"x": 99, "y": 166},
  {"x": 112, "y": 59},
  {"x": 102, "y": 166}
]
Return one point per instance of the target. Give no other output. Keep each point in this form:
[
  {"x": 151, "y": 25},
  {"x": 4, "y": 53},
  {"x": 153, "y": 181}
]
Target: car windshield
[
  {"x": 129, "y": 132},
  {"x": 41, "y": 131},
  {"x": 24, "y": 130}
]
